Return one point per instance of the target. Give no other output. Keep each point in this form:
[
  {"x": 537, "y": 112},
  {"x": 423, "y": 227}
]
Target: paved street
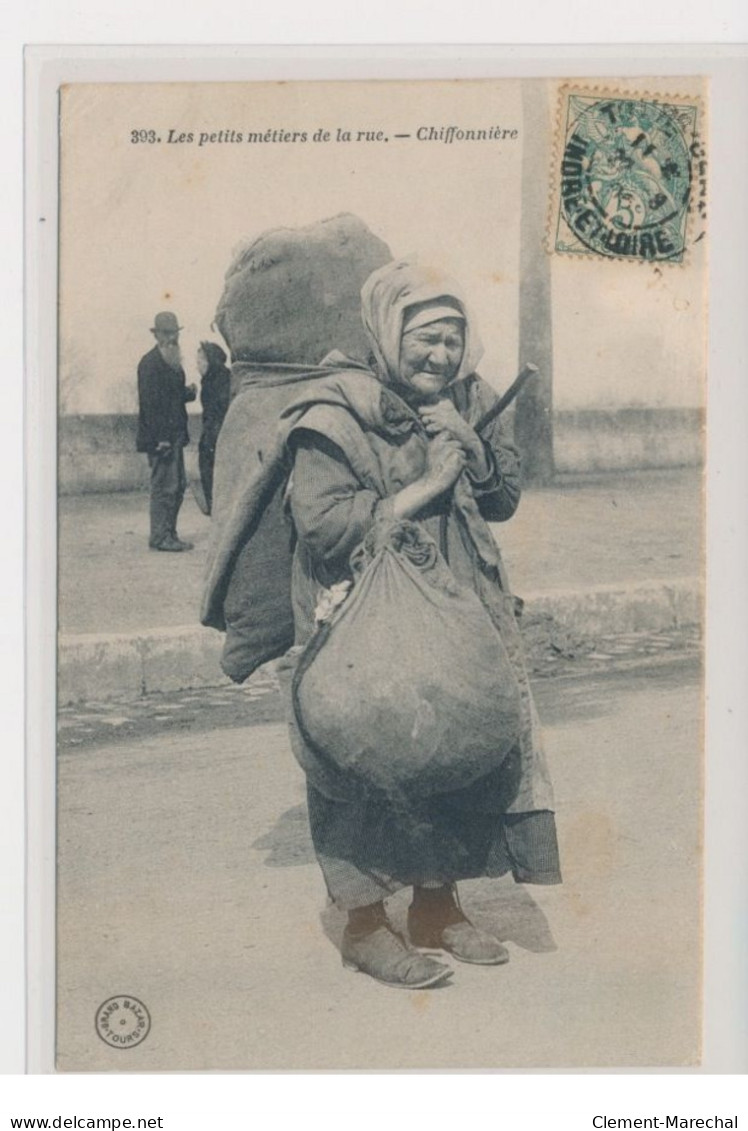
[
  {"x": 598, "y": 530},
  {"x": 607, "y": 554},
  {"x": 186, "y": 878}
]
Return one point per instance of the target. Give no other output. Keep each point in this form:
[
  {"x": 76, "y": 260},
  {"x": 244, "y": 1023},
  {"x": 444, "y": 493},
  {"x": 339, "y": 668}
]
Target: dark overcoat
[{"x": 162, "y": 395}]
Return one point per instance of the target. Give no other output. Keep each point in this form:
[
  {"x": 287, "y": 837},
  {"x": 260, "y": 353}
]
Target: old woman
[{"x": 397, "y": 441}]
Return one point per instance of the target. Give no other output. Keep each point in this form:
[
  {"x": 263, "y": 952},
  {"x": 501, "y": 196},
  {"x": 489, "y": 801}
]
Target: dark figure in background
[
  {"x": 162, "y": 429},
  {"x": 215, "y": 394}
]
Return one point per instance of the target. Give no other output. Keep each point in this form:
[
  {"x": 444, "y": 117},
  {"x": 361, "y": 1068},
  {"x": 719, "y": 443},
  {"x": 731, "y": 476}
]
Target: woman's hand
[
  {"x": 443, "y": 419},
  {"x": 446, "y": 459}
]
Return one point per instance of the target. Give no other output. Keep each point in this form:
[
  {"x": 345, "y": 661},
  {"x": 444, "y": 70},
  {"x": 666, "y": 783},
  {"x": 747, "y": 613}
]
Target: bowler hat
[{"x": 165, "y": 323}]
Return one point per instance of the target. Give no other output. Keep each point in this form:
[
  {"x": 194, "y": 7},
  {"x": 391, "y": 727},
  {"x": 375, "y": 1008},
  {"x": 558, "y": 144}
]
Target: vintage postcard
[{"x": 380, "y": 460}]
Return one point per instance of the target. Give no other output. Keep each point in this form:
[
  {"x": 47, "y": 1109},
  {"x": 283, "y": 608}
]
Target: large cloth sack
[
  {"x": 251, "y": 548},
  {"x": 407, "y": 685},
  {"x": 248, "y": 591},
  {"x": 293, "y": 295}
]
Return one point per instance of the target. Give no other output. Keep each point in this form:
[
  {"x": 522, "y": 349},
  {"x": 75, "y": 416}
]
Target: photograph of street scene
[{"x": 380, "y": 513}]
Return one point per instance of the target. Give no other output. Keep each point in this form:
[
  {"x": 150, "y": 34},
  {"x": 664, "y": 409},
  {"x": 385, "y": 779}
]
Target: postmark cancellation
[{"x": 629, "y": 175}]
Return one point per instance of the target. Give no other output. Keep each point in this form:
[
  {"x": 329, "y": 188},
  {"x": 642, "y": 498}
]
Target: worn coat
[
  {"x": 162, "y": 395},
  {"x": 215, "y": 394},
  {"x": 354, "y": 447}
]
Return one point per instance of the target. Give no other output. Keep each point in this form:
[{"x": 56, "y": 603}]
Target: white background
[{"x": 557, "y": 1100}]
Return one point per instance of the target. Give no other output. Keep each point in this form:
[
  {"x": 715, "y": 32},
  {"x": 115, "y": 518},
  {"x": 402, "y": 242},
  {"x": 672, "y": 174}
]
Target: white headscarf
[{"x": 387, "y": 295}]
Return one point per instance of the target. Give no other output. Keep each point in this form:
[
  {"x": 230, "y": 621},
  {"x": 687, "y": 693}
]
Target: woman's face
[
  {"x": 202, "y": 362},
  {"x": 430, "y": 356}
]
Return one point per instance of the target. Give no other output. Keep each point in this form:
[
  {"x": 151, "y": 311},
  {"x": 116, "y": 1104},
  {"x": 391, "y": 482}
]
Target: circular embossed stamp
[
  {"x": 626, "y": 177},
  {"x": 123, "y": 1021}
]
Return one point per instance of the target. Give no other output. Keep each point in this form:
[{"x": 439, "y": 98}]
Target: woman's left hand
[{"x": 444, "y": 417}]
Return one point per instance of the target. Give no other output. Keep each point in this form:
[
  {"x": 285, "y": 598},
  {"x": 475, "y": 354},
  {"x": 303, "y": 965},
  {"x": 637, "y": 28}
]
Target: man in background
[{"x": 162, "y": 429}]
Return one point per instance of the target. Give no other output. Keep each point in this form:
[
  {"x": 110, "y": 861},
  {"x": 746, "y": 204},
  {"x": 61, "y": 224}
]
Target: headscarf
[
  {"x": 215, "y": 355},
  {"x": 215, "y": 389},
  {"x": 385, "y": 299}
]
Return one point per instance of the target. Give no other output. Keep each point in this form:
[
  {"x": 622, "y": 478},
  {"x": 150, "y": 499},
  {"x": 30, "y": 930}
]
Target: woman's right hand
[{"x": 446, "y": 459}]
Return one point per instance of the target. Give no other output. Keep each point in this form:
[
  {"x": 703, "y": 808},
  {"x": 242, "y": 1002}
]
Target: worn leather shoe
[
  {"x": 174, "y": 545},
  {"x": 441, "y": 924},
  {"x": 385, "y": 956}
]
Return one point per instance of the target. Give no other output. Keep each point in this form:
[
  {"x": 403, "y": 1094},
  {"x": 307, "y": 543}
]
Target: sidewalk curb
[
  {"x": 606, "y": 610},
  {"x": 98, "y": 666}
]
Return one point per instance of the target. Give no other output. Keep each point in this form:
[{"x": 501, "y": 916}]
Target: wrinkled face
[
  {"x": 202, "y": 362},
  {"x": 430, "y": 356}
]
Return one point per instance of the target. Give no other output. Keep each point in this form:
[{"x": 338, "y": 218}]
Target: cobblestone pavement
[{"x": 258, "y": 700}]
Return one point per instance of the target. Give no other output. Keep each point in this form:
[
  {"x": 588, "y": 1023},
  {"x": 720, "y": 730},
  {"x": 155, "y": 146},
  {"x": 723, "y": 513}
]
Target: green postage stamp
[{"x": 629, "y": 176}]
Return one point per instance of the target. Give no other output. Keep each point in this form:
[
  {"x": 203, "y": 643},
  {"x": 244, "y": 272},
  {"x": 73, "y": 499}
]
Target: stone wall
[
  {"x": 96, "y": 453},
  {"x": 627, "y": 439}
]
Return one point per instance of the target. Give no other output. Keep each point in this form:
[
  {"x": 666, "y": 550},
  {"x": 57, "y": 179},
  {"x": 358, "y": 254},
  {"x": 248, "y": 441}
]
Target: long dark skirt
[
  {"x": 206, "y": 456},
  {"x": 368, "y": 850}
]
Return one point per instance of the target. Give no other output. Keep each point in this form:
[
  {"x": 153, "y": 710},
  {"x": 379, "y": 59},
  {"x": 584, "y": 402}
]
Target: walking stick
[{"x": 504, "y": 401}]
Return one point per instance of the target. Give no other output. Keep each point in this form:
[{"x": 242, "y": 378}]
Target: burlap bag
[{"x": 407, "y": 686}]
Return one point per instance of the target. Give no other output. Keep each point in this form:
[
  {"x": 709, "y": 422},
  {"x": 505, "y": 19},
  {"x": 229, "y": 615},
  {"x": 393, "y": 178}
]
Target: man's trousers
[{"x": 168, "y": 482}]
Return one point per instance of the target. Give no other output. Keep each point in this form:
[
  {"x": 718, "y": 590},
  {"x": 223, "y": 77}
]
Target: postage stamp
[{"x": 629, "y": 172}]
